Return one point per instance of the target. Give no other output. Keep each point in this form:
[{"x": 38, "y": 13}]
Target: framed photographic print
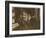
[{"x": 24, "y": 18}]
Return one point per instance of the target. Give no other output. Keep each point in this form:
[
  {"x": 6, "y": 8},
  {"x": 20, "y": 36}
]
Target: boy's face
[{"x": 26, "y": 16}]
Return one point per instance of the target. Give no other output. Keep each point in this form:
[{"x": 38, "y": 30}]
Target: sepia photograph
[{"x": 25, "y": 18}]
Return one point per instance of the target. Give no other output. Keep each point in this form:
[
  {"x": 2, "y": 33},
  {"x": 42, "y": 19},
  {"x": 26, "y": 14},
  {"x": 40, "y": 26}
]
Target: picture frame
[{"x": 28, "y": 6}]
